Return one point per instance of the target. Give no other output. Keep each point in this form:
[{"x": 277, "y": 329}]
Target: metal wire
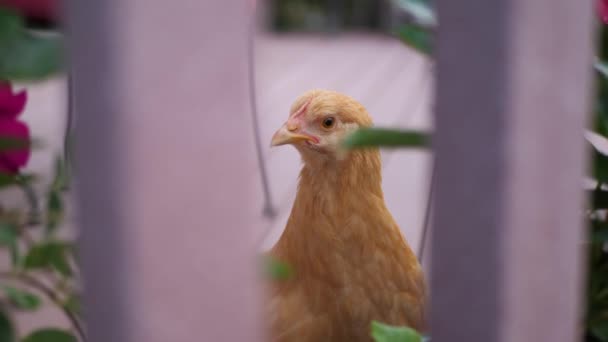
[
  {"x": 269, "y": 209},
  {"x": 429, "y": 203},
  {"x": 427, "y": 215},
  {"x": 69, "y": 126}
]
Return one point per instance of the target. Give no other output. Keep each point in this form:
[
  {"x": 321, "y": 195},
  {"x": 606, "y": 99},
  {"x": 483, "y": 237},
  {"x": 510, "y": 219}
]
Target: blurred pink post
[
  {"x": 512, "y": 101},
  {"x": 165, "y": 162}
]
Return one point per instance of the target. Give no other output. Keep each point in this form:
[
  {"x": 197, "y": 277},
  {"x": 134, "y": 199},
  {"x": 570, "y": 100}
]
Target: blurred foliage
[
  {"x": 43, "y": 270},
  {"x": 596, "y": 319},
  {"x": 415, "y": 37},
  {"x": 276, "y": 269},
  {"x": 385, "y": 333},
  {"x": 327, "y": 15},
  {"x": 418, "y": 33},
  {"x": 24, "y": 55},
  {"x": 386, "y": 138},
  {"x": 420, "y": 11},
  {"x": 50, "y": 335},
  {"x": 414, "y": 20}
]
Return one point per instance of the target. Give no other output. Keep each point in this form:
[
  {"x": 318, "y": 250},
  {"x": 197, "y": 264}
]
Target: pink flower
[
  {"x": 11, "y": 105},
  {"x": 603, "y": 9}
]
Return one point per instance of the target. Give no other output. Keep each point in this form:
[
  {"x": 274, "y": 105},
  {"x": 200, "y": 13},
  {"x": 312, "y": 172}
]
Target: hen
[{"x": 351, "y": 263}]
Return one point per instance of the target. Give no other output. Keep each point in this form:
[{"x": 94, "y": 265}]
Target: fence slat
[
  {"x": 512, "y": 100},
  {"x": 166, "y": 169}
]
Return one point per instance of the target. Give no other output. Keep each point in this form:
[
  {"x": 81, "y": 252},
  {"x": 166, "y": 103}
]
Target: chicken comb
[{"x": 302, "y": 109}]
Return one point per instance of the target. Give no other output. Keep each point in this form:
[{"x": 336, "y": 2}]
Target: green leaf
[
  {"x": 60, "y": 179},
  {"x": 601, "y": 67},
  {"x": 8, "y": 234},
  {"x": 8, "y": 238},
  {"x": 601, "y": 101},
  {"x": 54, "y": 206},
  {"x": 10, "y": 24},
  {"x": 600, "y": 330},
  {"x": 599, "y": 166},
  {"x": 54, "y": 211},
  {"x": 600, "y": 236},
  {"x": 417, "y": 38},
  {"x": 11, "y": 144},
  {"x": 24, "y": 55},
  {"x": 7, "y": 180},
  {"x": 7, "y": 330},
  {"x": 22, "y": 299},
  {"x": 371, "y": 137},
  {"x": 599, "y": 199},
  {"x": 276, "y": 269},
  {"x": 49, "y": 255},
  {"x": 387, "y": 333},
  {"x": 420, "y": 10},
  {"x": 50, "y": 335}
]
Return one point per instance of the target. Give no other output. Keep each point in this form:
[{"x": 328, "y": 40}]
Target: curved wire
[
  {"x": 429, "y": 203},
  {"x": 67, "y": 139},
  {"x": 427, "y": 214},
  {"x": 269, "y": 210}
]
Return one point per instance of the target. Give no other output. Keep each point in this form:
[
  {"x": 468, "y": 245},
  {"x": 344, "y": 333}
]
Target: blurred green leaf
[
  {"x": 600, "y": 235},
  {"x": 24, "y": 178},
  {"x": 600, "y": 165},
  {"x": 596, "y": 315},
  {"x": 54, "y": 206},
  {"x": 10, "y": 144},
  {"x": 599, "y": 199},
  {"x": 22, "y": 299},
  {"x": 600, "y": 330},
  {"x": 10, "y": 24},
  {"x": 276, "y": 269},
  {"x": 387, "y": 333},
  {"x": 8, "y": 234},
  {"x": 372, "y": 137},
  {"x": 7, "y": 180},
  {"x": 54, "y": 211},
  {"x": 8, "y": 238},
  {"x": 24, "y": 55},
  {"x": 7, "y": 330},
  {"x": 417, "y": 38},
  {"x": 60, "y": 179},
  {"x": 601, "y": 67},
  {"x": 601, "y": 102},
  {"x": 49, "y": 255},
  {"x": 50, "y": 335},
  {"x": 420, "y": 10}
]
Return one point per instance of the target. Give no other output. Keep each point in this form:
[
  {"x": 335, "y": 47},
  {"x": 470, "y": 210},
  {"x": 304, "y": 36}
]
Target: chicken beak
[{"x": 286, "y": 136}]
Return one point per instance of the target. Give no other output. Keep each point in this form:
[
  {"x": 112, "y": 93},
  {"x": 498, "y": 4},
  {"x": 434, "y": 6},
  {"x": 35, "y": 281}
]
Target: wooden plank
[
  {"x": 512, "y": 99},
  {"x": 165, "y": 170}
]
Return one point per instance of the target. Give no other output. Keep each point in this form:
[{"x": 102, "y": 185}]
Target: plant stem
[
  {"x": 32, "y": 199},
  {"x": 50, "y": 294}
]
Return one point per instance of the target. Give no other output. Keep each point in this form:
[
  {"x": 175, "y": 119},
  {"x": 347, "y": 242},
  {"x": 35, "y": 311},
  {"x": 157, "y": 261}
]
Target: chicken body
[{"x": 351, "y": 262}]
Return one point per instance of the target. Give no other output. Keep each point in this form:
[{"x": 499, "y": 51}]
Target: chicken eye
[{"x": 329, "y": 122}]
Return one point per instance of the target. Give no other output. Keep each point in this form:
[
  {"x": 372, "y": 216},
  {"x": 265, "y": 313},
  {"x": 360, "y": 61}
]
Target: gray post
[{"x": 512, "y": 97}]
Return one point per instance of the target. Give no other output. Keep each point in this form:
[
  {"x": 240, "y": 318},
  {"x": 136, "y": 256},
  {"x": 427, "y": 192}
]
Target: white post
[{"x": 166, "y": 170}]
